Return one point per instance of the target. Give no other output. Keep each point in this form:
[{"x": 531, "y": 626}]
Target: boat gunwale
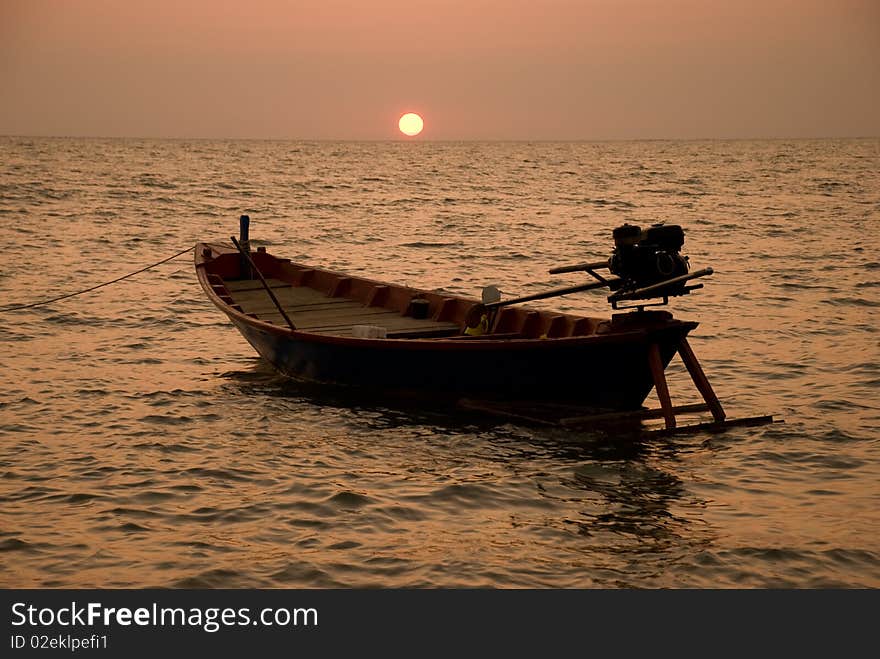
[{"x": 459, "y": 343}]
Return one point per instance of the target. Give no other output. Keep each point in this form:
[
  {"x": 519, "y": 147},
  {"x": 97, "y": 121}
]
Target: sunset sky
[{"x": 474, "y": 69}]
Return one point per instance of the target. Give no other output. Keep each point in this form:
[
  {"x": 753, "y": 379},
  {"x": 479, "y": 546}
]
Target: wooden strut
[
  {"x": 697, "y": 375},
  {"x": 700, "y": 380},
  {"x": 659, "y": 377}
]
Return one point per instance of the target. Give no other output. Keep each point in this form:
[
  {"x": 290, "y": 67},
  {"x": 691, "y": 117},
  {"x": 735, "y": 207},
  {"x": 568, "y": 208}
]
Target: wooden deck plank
[
  {"x": 390, "y": 320},
  {"x": 411, "y": 333},
  {"x": 364, "y": 317},
  {"x": 359, "y": 312},
  {"x": 269, "y": 307},
  {"x": 393, "y": 323},
  {"x": 289, "y": 294},
  {"x": 399, "y": 332},
  {"x": 253, "y": 284}
]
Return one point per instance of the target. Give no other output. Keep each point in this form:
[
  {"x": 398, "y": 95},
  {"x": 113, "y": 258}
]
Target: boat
[{"x": 317, "y": 325}]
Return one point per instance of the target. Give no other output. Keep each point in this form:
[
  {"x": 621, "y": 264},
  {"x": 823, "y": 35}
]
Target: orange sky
[{"x": 475, "y": 69}]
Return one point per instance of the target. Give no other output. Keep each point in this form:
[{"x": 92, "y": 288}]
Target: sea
[{"x": 143, "y": 442}]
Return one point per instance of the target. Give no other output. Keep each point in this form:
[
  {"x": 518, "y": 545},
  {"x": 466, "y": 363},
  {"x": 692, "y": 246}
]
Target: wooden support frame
[
  {"x": 659, "y": 377},
  {"x": 697, "y": 375},
  {"x": 546, "y": 414},
  {"x": 700, "y": 380},
  {"x": 636, "y": 415}
]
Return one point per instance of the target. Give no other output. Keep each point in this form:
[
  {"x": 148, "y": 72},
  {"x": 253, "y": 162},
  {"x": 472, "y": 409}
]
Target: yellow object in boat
[{"x": 480, "y": 328}]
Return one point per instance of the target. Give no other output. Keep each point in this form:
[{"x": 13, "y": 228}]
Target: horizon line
[{"x": 404, "y": 140}]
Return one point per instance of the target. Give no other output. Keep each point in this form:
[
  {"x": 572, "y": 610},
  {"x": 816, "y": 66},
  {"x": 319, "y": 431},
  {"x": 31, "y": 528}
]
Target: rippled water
[{"x": 143, "y": 443}]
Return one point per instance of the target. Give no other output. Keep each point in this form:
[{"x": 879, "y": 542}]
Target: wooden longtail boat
[{"x": 322, "y": 326}]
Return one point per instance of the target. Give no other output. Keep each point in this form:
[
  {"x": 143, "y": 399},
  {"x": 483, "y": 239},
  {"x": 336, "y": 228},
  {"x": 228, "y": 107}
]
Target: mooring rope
[{"x": 19, "y": 307}]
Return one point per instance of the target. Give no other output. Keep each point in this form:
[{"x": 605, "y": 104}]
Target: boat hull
[{"x": 609, "y": 371}]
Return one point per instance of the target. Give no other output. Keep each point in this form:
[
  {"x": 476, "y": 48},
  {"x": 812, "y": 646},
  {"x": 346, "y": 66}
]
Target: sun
[{"x": 411, "y": 124}]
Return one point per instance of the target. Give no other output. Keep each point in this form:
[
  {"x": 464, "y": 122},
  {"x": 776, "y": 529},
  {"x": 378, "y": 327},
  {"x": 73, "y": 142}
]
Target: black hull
[{"x": 606, "y": 371}]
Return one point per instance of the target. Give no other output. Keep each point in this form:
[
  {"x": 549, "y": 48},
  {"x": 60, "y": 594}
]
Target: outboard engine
[
  {"x": 648, "y": 264},
  {"x": 642, "y": 258}
]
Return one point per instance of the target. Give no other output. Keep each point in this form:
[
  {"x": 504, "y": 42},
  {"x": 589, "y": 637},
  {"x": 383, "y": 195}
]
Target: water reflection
[{"x": 618, "y": 498}]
